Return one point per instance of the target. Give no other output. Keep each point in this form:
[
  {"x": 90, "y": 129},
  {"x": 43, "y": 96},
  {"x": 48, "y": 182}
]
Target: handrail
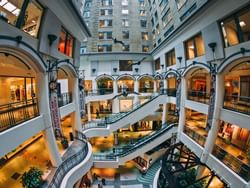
[
  {"x": 70, "y": 162},
  {"x": 123, "y": 151},
  {"x": 199, "y": 96},
  {"x": 237, "y": 103},
  {"x": 64, "y": 99}
]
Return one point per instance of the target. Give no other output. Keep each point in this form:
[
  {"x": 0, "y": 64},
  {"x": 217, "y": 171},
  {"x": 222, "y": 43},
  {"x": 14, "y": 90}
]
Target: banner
[
  {"x": 211, "y": 101},
  {"x": 81, "y": 93},
  {"x": 178, "y": 94}
]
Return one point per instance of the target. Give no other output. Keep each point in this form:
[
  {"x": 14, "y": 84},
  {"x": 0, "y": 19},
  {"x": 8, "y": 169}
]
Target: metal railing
[
  {"x": 200, "y": 139},
  {"x": 18, "y": 112},
  {"x": 100, "y": 91},
  {"x": 146, "y": 90},
  {"x": 64, "y": 99},
  {"x": 130, "y": 89},
  {"x": 198, "y": 96},
  {"x": 123, "y": 151},
  {"x": 237, "y": 103},
  {"x": 238, "y": 166},
  {"x": 171, "y": 92},
  {"x": 70, "y": 162}
]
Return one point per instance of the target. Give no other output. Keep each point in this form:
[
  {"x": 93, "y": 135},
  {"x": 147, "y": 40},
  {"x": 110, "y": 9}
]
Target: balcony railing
[
  {"x": 18, "y": 112},
  {"x": 200, "y": 139},
  {"x": 234, "y": 163},
  {"x": 70, "y": 162},
  {"x": 146, "y": 90},
  {"x": 198, "y": 96},
  {"x": 130, "y": 89},
  {"x": 64, "y": 99},
  {"x": 100, "y": 91},
  {"x": 237, "y": 103},
  {"x": 171, "y": 92}
]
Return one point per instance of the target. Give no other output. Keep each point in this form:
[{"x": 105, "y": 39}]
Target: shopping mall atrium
[{"x": 125, "y": 93}]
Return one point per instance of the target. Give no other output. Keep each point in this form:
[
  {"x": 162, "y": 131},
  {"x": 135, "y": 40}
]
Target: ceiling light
[
  {"x": 191, "y": 47},
  {"x": 9, "y": 6},
  {"x": 3, "y": 2},
  {"x": 242, "y": 24},
  {"x": 16, "y": 12}
]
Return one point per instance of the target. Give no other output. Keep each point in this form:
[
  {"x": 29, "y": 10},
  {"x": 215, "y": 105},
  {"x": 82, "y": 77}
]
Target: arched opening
[
  {"x": 171, "y": 83},
  {"x": 159, "y": 83},
  {"x": 237, "y": 87},
  {"x": 18, "y": 96},
  {"x": 105, "y": 85},
  {"x": 198, "y": 85},
  {"x": 146, "y": 84},
  {"x": 125, "y": 82}
]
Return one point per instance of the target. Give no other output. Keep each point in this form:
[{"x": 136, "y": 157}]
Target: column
[
  {"x": 155, "y": 86},
  {"x": 212, "y": 134},
  {"x": 136, "y": 89},
  {"x": 89, "y": 112},
  {"x": 116, "y": 141},
  {"x": 75, "y": 116},
  {"x": 182, "y": 113},
  {"x": 115, "y": 102},
  {"x": 115, "y": 87},
  {"x": 48, "y": 133},
  {"x": 94, "y": 85},
  {"x": 164, "y": 114}
]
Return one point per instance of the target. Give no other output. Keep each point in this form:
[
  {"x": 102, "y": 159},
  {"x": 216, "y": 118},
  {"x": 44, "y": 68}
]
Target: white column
[
  {"x": 164, "y": 114},
  {"x": 75, "y": 116},
  {"x": 165, "y": 82},
  {"x": 89, "y": 112},
  {"x": 155, "y": 86},
  {"x": 48, "y": 133},
  {"x": 182, "y": 114},
  {"x": 212, "y": 134},
  {"x": 94, "y": 85},
  {"x": 115, "y": 87},
  {"x": 115, "y": 102},
  {"x": 136, "y": 89}
]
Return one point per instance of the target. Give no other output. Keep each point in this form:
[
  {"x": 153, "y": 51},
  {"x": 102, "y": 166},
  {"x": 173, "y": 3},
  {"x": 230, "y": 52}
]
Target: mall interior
[{"x": 125, "y": 93}]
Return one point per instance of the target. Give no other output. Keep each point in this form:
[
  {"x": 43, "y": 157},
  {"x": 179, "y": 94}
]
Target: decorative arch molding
[
  {"x": 233, "y": 60},
  {"x": 68, "y": 67},
  {"x": 24, "y": 51},
  {"x": 144, "y": 76},
  {"x": 126, "y": 75},
  {"x": 158, "y": 76},
  {"x": 194, "y": 66},
  {"x": 172, "y": 72},
  {"x": 104, "y": 76}
]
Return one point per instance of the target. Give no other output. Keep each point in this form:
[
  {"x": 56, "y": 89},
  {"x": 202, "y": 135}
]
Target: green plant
[
  {"x": 187, "y": 179},
  {"x": 32, "y": 178}
]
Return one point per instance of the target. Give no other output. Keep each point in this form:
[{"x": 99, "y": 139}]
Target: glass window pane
[
  {"x": 69, "y": 47},
  {"x": 190, "y": 49},
  {"x": 62, "y": 40},
  {"x": 9, "y": 10},
  {"x": 200, "y": 50},
  {"x": 229, "y": 30},
  {"x": 244, "y": 22},
  {"x": 32, "y": 18}
]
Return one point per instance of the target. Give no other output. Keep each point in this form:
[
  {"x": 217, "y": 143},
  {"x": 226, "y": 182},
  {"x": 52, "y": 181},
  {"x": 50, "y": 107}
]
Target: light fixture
[
  {"x": 191, "y": 47},
  {"x": 114, "y": 69},
  {"x": 51, "y": 38},
  {"x": 242, "y": 24}
]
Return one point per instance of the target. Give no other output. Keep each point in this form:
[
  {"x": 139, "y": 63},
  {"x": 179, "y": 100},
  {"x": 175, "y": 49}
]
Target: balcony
[
  {"x": 146, "y": 90},
  {"x": 198, "y": 96},
  {"x": 237, "y": 103},
  {"x": 102, "y": 91},
  {"x": 64, "y": 99},
  {"x": 196, "y": 135},
  {"x": 171, "y": 92},
  {"x": 18, "y": 112}
]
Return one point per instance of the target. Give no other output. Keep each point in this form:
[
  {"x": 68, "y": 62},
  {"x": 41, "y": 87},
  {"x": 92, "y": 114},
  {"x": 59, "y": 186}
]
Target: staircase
[{"x": 148, "y": 178}]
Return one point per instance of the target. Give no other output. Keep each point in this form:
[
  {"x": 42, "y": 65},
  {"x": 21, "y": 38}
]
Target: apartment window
[
  {"x": 105, "y": 23},
  {"x": 105, "y": 48},
  {"x": 144, "y": 35},
  {"x": 125, "y": 34},
  {"x": 194, "y": 47},
  {"x": 105, "y": 35},
  {"x": 109, "y": 35},
  {"x": 124, "y": 11},
  {"x": 145, "y": 48},
  {"x": 170, "y": 58},
  {"x": 153, "y": 33},
  {"x": 236, "y": 28},
  {"x": 124, "y": 2},
  {"x": 157, "y": 29},
  {"x": 157, "y": 64},
  {"x": 30, "y": 23},
  {"x": 166, "y": 18},
  {"x": 142, "y": 13},
  {"x": 163, "y": 4},
  {"x": 106, "y": 2},
  {"x": 143, "y": 23},
  {"x": 86, "y": 14},
  {"x": 125, "y": 23},
  {"x": 125, "y": 48},
  {"x": 106, "y": 12},
  {"x": 180, "y": 3},
  {"x": 156, "y": 16},
  {"x": 152, "y": 22},
  {"x": 87, "y": 5},
  {"x": 83, "y": 50},
  {"x": 66, "y": 42},
  {"x": 100, "y": 48},
  {"x": 124, "y": 65},
  {"x": 101, "y": 35},
  {"x": 141, "y": 3}
]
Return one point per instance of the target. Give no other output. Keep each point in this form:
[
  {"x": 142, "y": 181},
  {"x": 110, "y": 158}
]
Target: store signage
[{"x": 211, "y": 101}]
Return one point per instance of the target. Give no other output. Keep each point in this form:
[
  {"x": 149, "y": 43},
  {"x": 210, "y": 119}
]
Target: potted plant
[
  {"x": 64, "y": 142},
  {"x": 32, "y": 178}
]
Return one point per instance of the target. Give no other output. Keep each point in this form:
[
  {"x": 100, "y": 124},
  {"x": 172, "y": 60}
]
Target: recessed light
[
  {"x": 9, "y": 6},
  {"x": 242, "y": 23}
]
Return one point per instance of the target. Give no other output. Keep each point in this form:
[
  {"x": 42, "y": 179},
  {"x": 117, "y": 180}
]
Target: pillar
[
  {"x": 182, "y": 113},
  {"x": 89, "y": 111},
  {"x": 164, "y": 113},
  {"x": 115, "y": 87},
  {"x": 116, "y": 141},
  {"x": 212, "y": 134},
  {"x": 94, "y": 85},
  {"x": 155, "y": 86},
  {"x": 48, "y": 133},
  {"x": 136, "y": 89}
]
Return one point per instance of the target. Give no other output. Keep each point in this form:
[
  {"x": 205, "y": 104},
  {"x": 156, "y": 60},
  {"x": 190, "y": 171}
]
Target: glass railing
[
  {"x": 134, "y": 145},
  {"x": 18, "y": 112},
  {"x": 200, "y": 139},
  {"x": 129, "y": 89},
  {"x": 171, "y": 92},
  {"x": 237, "y": 103},
  {"x": 146, "y": 90},
  {"x": 70, "y": 162},
  {"x": 234, "y": 163},
  {"x": 100, "y": 91},
  {"x": 64, "y": 99},
  {"x": 198, "y": 96}
]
